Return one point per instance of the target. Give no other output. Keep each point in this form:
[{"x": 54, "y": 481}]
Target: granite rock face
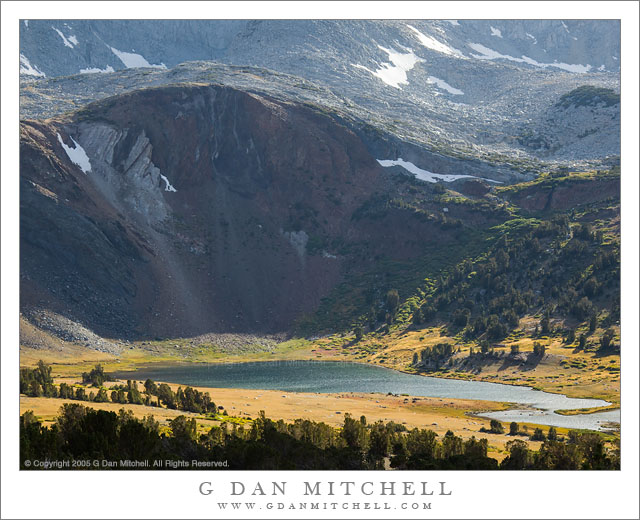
[{"x": 311, "y": 48}]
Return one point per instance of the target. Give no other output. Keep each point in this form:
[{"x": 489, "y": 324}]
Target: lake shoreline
[
  {"x": 543, "y": 403},
  {"x": 514, "y": 405},
  {"x": 138, "y": 359}
]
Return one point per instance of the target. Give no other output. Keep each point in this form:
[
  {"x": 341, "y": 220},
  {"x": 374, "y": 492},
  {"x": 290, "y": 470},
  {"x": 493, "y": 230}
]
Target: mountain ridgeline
[{"x": 99, "y": 45}]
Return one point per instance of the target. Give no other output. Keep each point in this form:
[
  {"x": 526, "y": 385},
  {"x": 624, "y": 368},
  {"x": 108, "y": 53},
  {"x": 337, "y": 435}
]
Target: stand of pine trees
[{"x": 81, "y": 433}]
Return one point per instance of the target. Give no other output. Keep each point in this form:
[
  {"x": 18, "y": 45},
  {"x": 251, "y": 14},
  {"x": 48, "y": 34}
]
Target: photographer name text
[{"x": 327, "y": 488}]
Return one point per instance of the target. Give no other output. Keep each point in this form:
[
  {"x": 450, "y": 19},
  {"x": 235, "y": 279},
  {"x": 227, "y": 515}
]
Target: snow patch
[
  {"x": 95, "y": 70},
  {"x": 132, "y": 60},
  {"x": 26, "y": 23},
  {"x": 167, "y": 184},
  {"x": 565, "y": 26},
  {"x": 73, "y": 40},
  {"x": 28, "y": 69},
  {"x": 67, "y": 42},
  {"x": 425, "y": 175},
  {"x": 495, "y": 32},
  {"x": 435, "y": 45},
  {"x": 394, "y": 73},
  {"x": 77, "y": 155},
  {"x": 328, "y": 255},
  {"x": 490, "y": 54},
  {"x": 530, "y": 61},
  {"x": 601, "y": 67},
  {"x": 298, "y": 239},
  {"x": 535, "y": 41},
  {"x": 580, "y": 69},
  {"x": 440, "y": 83},
  {"x": 452, "y": 22}
]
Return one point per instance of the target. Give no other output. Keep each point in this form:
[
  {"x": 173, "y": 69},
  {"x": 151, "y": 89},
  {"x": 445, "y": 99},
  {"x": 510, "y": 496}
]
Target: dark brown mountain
[{"x": 204, "y": 209}]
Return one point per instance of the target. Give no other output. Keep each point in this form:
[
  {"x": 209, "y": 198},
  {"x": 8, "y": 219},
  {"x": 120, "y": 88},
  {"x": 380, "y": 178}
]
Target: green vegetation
[
  {"x": 361, "y": 299},
  {"x": 81, "y": 433},
  {"x": 495, "y": 427},
  {"x": 589, "y": 95},
  {"x": 586, "y": 411},
  {"x": 579, "y": 451},
  {"x": 498, "y": 265},
  {"x": 556, "y": 267},
  {"x": 434, "y": 357},
  {"x": 38, "y": 383},
  {"x": 560, "y": 178},
  {"x": 96, "y": 377}
]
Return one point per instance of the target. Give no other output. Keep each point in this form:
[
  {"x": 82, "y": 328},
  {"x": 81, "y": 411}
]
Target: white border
[{"x": 172, "y": 495}]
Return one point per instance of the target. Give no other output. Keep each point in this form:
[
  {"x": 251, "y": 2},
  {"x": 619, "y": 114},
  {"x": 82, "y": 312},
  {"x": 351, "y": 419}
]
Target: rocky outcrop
[{"x": 582, "y": 131}]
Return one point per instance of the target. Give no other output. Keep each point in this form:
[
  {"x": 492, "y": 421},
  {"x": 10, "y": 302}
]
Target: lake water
[{"x": 340, "y": 377}]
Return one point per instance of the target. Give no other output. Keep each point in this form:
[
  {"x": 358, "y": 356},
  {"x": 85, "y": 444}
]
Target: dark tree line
[
  {"x": 579, "y": 451},
  {"x": 80, "y": 432},
  {"x": 434, "y": 357},
  {"x": 37, "y": 382}
]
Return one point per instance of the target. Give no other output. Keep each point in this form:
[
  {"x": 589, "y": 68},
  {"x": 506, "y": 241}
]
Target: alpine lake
[{"x": 529, "y": 405}]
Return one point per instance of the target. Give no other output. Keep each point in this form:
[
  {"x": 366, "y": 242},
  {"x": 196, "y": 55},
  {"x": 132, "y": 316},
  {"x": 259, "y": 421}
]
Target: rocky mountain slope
[
  {"x": 87, "y": 45},
  {"x": 185, "y": 210},
  {"x": 417, "y": 79}
]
